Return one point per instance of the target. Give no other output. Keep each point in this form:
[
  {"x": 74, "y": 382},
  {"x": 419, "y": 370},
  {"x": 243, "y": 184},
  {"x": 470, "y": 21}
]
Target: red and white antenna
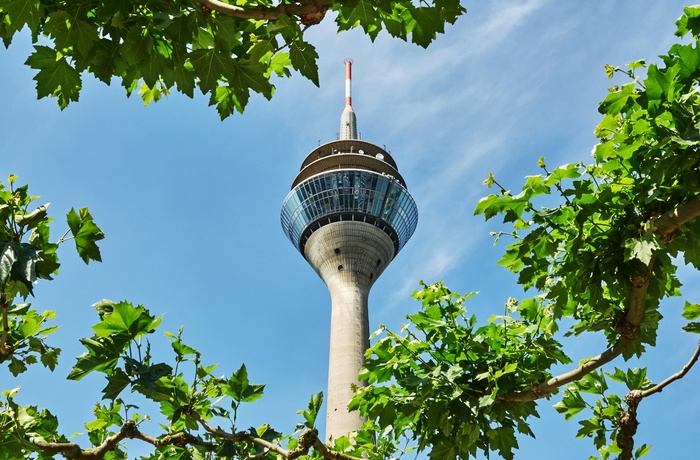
[
  {"x": 348, "y": 122},
  {"x": 348, "y": 83}
]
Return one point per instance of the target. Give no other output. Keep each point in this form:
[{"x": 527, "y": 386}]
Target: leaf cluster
[
  {"x": 190, "y": 402},
  {"x": 159, "y": 46},
  {"x": 608, "y": 411},
  {"x": 602, "y": 237},
  {"x": 27, "y": 255},
  {"x": 598, "y": 245},
  {"x": 446, "y": 377}
]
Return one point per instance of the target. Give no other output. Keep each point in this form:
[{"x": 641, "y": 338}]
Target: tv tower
[{"x": 348, "y": 213}]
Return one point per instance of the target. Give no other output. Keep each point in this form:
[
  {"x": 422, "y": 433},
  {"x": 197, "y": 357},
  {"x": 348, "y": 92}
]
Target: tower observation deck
[{"x": 349, "y": 213}]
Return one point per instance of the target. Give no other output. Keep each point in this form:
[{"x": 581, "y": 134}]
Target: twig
[
  {"x": 678, "y": 375},
  {"x": 628, "y": 422},
  {"x": 5, "y": 350},
  {"x": 299, "y": 8},
  {"x": 307, "y": 439},
  {"x": 73, "y": 451},
  {"x": 330, "y": 454},
  {"x": 241, "y": 436}
]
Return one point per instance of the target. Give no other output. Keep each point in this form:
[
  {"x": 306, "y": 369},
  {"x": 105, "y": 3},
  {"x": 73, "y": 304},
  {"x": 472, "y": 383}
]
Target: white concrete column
[
  {"x": 349, "y": 256},
  {"x": 349, "y": 341}
]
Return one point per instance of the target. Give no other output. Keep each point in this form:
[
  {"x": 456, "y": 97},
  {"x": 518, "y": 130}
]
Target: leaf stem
[{"x": 5, "y": 350}]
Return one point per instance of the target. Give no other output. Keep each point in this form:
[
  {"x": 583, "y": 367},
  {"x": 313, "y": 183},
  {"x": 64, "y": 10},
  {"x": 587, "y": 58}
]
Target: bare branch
[
  {"x": 330, "y": 454},
  {"x": 671, "y": 221},
  {"x": 73, "y": 451},
  {"x": 299, "y": 8},
  {"x": 628, "y": 419},
  {"x": 307, "y": 440},
  {"x": 241, "y": 436},
  {"x": 678, "y": 375}
]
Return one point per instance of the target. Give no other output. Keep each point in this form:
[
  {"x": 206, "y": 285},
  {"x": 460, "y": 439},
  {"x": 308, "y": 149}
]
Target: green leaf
[
  {"x": 642, "y": 451},
  {"x": 87, "y": 363},
  {"x": 691, "y": 310},
  {"x": 360, "y": 13},
  {"x": 71, "y": 32},
  {"x": 423, "y": 23},
  {"x": 20, "y": 13},
  {"x": 17, "y": 366},
  {"x": 570, "y": 405},
  {"x": 212, "y": 66},
  {"x": 237, "y": 384},
  {"x": 642, "y": 248},
  {"x": 568, "y": 171},
  {"x": 32, "y": 219},
  {"x": 311, "y": 414},
  {"x": 86, "y": 234},
  {"x": 587, "y": 427},
  {"x": 617, "y": 101},
  {"x": 117, "y": 381},
  {"x": 304, "y": 59},
  {"x": 636, "y": 378},
  {"x": 125, "y": 318},
  {"x": 7, "y": 260},
  {"x": 49, "y": 357},
  {"x": 102, "y": 355},
  {"x": 137, "y": 45},
  {"x": 503, "y": 440},
  {"x": 248, "y": 74},
  {"x": 182, "y": 350},
  {"x": 689, "y": 22},
  {"x": 148, "y": 376},
  {"x": 280, "y": 63},
  {"x": 693, "y": 327},
  {"x": 56, "y": 77}
]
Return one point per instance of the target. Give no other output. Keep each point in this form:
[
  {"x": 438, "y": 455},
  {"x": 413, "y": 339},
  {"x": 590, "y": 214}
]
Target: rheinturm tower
[{"x": 349, "y": 213}]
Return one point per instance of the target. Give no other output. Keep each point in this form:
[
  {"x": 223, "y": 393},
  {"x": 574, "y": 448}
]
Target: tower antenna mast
[{"x": 348, "y": 120}]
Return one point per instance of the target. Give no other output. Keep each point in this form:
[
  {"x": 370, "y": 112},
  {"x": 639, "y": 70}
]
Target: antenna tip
[{"x": 348, "y": 60}]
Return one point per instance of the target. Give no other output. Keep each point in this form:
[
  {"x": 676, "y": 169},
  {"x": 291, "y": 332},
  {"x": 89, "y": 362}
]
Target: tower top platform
[{"x": 348, "y": 154}]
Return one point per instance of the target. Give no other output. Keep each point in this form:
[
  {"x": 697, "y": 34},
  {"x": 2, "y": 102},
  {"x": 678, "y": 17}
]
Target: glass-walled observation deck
[{"x": 349, "y": 194}]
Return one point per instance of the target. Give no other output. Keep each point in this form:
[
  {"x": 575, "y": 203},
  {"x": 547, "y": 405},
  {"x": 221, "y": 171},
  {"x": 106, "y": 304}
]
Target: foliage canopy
[{"x": 224, "y": 49}]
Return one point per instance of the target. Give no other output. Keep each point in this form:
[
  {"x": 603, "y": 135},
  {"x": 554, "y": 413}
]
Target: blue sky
[{"x": 190, "y": 204}]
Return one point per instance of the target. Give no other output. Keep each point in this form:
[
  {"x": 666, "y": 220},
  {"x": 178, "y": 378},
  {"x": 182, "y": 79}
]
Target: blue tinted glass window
[{"x": 354, "y": 191}]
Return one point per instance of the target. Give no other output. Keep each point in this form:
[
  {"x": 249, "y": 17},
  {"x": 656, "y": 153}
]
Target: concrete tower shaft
[
  {"x": 349, "y": 257},
  {"x": 348, "y": 213}
]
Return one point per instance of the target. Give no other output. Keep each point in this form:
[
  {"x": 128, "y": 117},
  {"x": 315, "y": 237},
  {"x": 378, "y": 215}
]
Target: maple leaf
[{"x": 56, "y": 77}]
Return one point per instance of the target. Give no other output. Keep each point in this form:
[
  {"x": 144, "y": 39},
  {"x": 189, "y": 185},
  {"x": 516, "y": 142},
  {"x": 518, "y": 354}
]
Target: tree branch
[
  {"x": 664, "y": 225},
  {"x": 628, "y": 331},
  {"x": 299, "y": 8},
  {"x": 307, "y": 439},
  {"x": 628, "y": 419},
  {"x": 670, "y": 221},
  {"x": 678, "y": 375},
  {"x": 330, "y": 454},
  {"x": 243, "y": 436},
  {"x": 5, "y": 349},
  {"x": 73, "y": 451}
]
